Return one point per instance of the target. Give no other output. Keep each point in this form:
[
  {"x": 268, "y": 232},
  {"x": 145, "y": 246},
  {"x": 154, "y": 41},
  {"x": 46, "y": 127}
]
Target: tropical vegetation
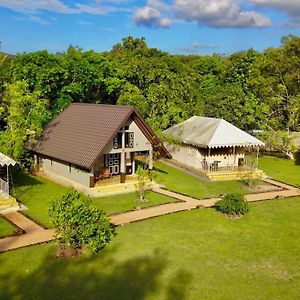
[{"x": 253, "y": 90}]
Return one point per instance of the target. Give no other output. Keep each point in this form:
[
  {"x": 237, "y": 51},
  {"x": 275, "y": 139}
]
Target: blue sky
[{"x": 175, "y": 26}]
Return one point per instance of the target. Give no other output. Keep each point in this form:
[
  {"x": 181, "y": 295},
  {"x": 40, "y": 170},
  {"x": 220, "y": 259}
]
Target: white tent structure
[
  {"x": 211, "y": 144},
  {"x": 211, "y": 133},
  {"x": 6, "y": 162}
]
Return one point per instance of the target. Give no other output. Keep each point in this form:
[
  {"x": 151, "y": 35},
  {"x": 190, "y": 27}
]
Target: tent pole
[
  {"x": 7, "y": 178},
  {"x": 234, "y": 153},
  {"x": 257, "y": 154}
]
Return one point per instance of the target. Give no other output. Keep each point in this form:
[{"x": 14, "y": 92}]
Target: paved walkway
[
  {"x": 35, "y": 234},
  {"x": 189, "y": 203}
]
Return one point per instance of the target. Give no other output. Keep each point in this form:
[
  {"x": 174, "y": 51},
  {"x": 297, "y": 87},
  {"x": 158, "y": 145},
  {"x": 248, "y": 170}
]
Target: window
[
  {"x": 117, "y": 141},
  {"x": 129, "y": 139}
]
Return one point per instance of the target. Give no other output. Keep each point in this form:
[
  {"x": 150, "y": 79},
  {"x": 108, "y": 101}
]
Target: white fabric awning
[
  {"x": 6, "y": 161},
  {"x": 211, "y": 133}
]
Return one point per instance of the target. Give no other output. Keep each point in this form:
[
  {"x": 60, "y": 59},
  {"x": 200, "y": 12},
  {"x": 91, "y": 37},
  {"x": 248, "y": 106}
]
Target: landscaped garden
[
  {"x": 5, "y": 228},
  {"x": 281, "y": 169},
  {"x": 178, "y": 181},
  {"x": 197, "y": 254},
  {"x": 36, "y": 193}
]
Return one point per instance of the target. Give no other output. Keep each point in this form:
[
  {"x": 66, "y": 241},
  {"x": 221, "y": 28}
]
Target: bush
[
  {"x": 233, "y": 204},
  {"x": 77, "y": 222}
]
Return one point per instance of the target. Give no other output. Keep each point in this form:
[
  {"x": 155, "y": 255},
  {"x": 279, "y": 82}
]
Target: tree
[
  {"x": 78, "y": 223},
  {"x": 280, "y": 141},
  {"x": 144, "y": 182},
  {"x": 25, "y": 113}
]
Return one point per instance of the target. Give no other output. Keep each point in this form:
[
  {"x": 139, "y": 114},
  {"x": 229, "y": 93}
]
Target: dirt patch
[
  {"x": 66, "y": 252},
  {"x": 263, "y": 188}
]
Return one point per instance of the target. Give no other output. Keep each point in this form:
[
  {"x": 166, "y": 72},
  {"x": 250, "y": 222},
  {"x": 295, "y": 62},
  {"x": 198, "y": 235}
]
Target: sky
[{"x": 176, "y": 26}]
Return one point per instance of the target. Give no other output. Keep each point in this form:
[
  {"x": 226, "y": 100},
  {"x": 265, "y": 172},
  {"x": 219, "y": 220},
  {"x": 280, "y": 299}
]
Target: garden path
[{"x": 35, "y": 234}]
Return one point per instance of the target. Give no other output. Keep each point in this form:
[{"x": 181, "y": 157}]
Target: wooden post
[{"x": 133, "y": 162}]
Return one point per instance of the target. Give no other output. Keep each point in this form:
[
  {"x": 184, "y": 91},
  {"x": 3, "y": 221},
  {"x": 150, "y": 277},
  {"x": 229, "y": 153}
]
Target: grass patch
[
  {"x": 280, "y": 168},
  {"x": 126, "y": 202},
  {"x": 178, "y": 181},
  {"x": 196, "y": 254},
  {"x": 5, "y": 228},
  {"x": 36, "y": 193}
]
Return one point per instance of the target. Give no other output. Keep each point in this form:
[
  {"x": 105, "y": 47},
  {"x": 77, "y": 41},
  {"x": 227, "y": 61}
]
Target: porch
[
  {"x": 119, "y": 167},
  {"x": 7, "y": 202}
]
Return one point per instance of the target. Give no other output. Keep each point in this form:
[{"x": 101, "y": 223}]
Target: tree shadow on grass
[
  {"x": 93, "y": 277},
  {"x": 297, "y": 158},
  {"x": 98, "y": 277},
  {"x": 22, "y": 179}
]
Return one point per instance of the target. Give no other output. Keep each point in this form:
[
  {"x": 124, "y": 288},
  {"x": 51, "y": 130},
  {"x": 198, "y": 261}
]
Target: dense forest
[{"x": 252, "y": 90}]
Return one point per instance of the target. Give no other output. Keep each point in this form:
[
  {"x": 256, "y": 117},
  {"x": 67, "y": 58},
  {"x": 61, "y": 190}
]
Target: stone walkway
[{"x": 35, "y": 234}]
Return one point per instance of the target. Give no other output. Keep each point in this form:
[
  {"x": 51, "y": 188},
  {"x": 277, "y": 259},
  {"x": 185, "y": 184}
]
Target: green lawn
[
  {"x": 36, "y": 193},
  {"x": 197, "y": 254},
  {"x": 5, "y": 228},
  {"x": 178, "y": 181},
  {"x": 126, "y": 202},
  {"x": 282, "y": 169}
]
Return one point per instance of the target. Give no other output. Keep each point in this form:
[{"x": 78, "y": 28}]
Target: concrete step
[{"x": 223, "y": 176}]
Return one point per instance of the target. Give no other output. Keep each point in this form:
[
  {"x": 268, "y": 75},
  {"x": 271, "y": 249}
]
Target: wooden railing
[
  {"x": 248, "y": 164},
  {"x": 4, "y": 186}
]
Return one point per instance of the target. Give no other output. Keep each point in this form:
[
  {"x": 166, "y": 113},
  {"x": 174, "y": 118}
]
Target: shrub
[
  {"x": 233, "y": 204},
  {"x": 77, "y": 222}
]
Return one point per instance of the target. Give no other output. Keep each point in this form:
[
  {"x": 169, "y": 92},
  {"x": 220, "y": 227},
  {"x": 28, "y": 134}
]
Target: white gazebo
[
  {"x": 212, "y": 145},
  {"x": 5, "y": 162}
]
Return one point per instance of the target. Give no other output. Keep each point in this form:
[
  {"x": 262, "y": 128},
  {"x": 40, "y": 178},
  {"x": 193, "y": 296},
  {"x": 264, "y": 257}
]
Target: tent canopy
[
  {"x": 6, "y": 161},
  {"x": 211, "y": 133}
]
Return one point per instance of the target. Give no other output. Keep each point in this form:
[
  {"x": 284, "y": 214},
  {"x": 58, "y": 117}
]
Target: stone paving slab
[
  {"x": 27, "y": 239},
  {"x": 23, "y": 222}
]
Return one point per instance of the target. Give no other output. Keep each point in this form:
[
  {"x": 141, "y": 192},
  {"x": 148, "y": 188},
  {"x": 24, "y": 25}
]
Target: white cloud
[
  {"x": 291, "y": 7},
  {"x": 150, "y": 17},
  {"x": 58, "y": 6},
  {"x": 36, "y": 5},
  {"x": 196, "y": 46},
  {"x": 214, "y": 13},
  {"x": 39, "y": 20}
]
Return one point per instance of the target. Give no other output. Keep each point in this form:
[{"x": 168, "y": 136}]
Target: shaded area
[
  {"x": 297, "y": 158},
  {"x": 54, "y": 278}
]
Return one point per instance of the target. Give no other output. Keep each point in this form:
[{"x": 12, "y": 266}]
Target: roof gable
[
  {"x": 211, "y": 132},
  {"x": 81, "y": 131}
]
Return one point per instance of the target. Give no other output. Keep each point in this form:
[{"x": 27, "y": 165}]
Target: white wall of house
[
  {"x": 141, "y": 143},
  {"x": 193, "y": 156},
  {"x": 71, "y": 172}
]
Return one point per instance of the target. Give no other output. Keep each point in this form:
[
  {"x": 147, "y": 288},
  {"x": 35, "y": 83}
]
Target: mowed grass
[
  {"x": 197, "y": 254},
  {"x": 5, "y": 228},
  {"x": 281, "y": 169},
  {"x": 36, "y": 194},
  {"x": 178, "y": 181},
  {"x": 126, "y": 202}
]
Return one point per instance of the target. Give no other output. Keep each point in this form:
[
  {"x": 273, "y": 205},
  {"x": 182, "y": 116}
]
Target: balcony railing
[{"x": 249, "y": 164}]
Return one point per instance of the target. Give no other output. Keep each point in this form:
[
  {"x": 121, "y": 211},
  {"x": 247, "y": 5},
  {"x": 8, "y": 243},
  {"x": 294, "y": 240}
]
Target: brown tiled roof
[{"x": 79, "y": 134}]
